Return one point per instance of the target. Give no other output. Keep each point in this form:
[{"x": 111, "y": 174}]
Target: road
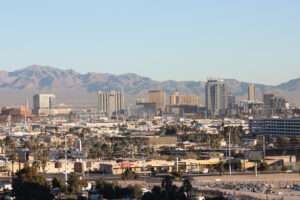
[{"x": 267, "y": 178}]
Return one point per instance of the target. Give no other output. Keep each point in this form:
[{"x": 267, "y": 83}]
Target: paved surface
[
  {"x": 260, "y": 196},
  {"x": 279, "y": 182},
  {"x": 268, "y": 178}
]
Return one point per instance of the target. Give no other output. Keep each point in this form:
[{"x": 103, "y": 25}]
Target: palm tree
[
  {"x": 43, "y": 158},
  {"x": 12, "y": 152},
  {"x": 2, "y": 145},
  {"x": 167, "y": 183},
  {"x": 220, "y": 167},
  {"x": 13, "y": 158},
  {"x": 36, "y": 165}
]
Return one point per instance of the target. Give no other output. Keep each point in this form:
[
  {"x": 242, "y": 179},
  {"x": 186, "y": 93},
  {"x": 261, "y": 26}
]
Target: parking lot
[{"x": 272, "y": 186}]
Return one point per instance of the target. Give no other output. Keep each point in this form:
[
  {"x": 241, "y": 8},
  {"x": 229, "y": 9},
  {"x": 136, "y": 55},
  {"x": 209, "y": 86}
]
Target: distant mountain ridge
[{"x": 75, "y": 88}]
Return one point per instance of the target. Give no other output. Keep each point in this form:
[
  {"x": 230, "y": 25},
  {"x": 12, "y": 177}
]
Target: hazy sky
[{"x": 250, "y": 40}]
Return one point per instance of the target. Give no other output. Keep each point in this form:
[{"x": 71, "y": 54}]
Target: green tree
[
  {"x": 36, "y": 164},
  {"x": 29, "y": 185},
  {"x": 13, "y": 157},
  {"x": 167, "y": 183},
  {"x": 135, "y": 191},
  {"x": 168, "y": 191},
  {"x": 220, "y": 167},
  {"x": 264, "y": 166},
  {"x": 114, "y": 191},
  {"x": 187, "y": 188},
  {"x": 156, "y": 192},
  {"x": 44, "y": 159},
  {"x": 57, "y": 183},
  {"x": 74, "y": 183},
  {"x": 129, "y": 174}
]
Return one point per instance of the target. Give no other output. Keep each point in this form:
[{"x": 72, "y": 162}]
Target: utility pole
[
  {"x": 66, "y": 162},
  {"x": 144, "y": 166},
  {"x": 256, "y": 173},
  {"x": 177, "y": 167},
  {"x": 229, "y": 151},
  {"x": 264, "y": 146}
]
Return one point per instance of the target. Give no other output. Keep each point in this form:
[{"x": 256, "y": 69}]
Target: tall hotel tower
[
  {"x": 251, "y": 92},
  {"x": 215, "y": 98},
  {"x": 110, "y": 103}
]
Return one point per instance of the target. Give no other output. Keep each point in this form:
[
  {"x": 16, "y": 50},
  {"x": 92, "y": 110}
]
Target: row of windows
[{"x": 276, "y": 126}]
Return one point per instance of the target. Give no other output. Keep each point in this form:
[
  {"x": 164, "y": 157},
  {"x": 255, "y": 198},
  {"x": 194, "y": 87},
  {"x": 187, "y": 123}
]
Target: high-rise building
[
  {"x": 158, "y": 97},
  {"x": 274, "y": 105},
  {"x": 110, "y": 103},
  {"x": 268, "y": 104},
  {"x": 215, "y": 98},
  {"x": 251, "y": 92},
  {"x": 176, "y": 99},
  {"x": 17, "y": 114},
  {"x": 252, "y": 108},
  {"x": 43, "y": 104},
  {"x": 232, "y": 106}
]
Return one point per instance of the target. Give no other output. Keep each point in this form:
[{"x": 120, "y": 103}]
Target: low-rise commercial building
[{"x": 279, "y": 127}]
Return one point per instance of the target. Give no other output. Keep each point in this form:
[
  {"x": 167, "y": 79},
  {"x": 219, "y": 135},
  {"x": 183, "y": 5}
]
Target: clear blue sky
[{"x": 251, "y": 40}]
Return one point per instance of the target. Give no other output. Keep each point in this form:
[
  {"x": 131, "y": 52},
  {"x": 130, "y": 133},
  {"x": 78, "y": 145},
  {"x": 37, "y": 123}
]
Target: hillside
[{"x": 75, "y": 88}]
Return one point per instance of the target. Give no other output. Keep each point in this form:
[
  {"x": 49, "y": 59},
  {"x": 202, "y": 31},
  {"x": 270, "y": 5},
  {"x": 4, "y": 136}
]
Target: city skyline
[
  {"x": 150, "y": 100},
  {"x": 242, "y": 40}
]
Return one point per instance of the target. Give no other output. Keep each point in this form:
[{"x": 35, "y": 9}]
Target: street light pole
[
  {"x": 66, "y": 162},
  {"x": 264, "y": 145},
  {"x": 229, "y": 151}
]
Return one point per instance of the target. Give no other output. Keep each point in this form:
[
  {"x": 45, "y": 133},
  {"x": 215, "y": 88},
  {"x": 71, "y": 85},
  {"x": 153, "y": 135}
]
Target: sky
[{"x": 256, "y": 41}]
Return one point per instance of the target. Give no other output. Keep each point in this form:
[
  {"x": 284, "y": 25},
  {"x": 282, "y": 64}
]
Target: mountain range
[{"x": 73, "y": 88}]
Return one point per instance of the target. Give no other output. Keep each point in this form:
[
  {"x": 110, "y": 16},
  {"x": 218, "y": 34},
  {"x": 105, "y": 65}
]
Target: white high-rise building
[
  {"x": 43, "y": 104},
  {"x": 216, "y": 98},
  {"x": 110, "y": 103}
]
